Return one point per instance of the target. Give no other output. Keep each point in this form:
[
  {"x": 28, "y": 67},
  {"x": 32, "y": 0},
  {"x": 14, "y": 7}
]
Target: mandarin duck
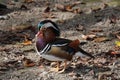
[{"x": 53, "y": 48}]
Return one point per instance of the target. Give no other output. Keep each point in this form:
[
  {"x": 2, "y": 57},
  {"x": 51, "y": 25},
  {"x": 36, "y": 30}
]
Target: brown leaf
[
  {"x": 28, "y": 62},
  {"x": 89, "y": 37},
  {"x": 77, "y": 2},
  {"x": 78, "y": 10},
  {"x": 79, "y": 28},
  {"x": 118, "y": 37},
  {"x": 116, "y": 32},
  {"x": 47, "y": 9},
  {"x": 26, "y": 42},
  {"x": 23, "y": 7},
  {"x": 117, "y": 48},
  {"x": 101, "y": 76},
  {"x": 68, "y": 8},
  {"x": 49, "y": 15},
  {"x": 21, "y": 27},
  {"x": 113, "y": 53},
  {"x": 4, "y": 49},
  {"x": 29, "y": 1},
  {"x": 100, "y": 39},
  {"x": 60, "y": 7},
  {"x": 72, "y": 74},
  {"x": 113, "y": 19},
  {"x": 96, "y": 30}
]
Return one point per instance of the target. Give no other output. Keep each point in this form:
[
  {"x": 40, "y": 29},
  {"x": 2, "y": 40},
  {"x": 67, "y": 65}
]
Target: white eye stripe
[{"x": 46, "y": 25}]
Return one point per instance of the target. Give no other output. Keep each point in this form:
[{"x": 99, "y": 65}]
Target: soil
[{"x": 99, "y": 18}]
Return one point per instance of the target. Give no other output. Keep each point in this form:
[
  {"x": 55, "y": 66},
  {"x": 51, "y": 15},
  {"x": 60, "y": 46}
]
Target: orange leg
[
  {"x": 57, "y": 68},
  {"x": 65, "y": 65}
]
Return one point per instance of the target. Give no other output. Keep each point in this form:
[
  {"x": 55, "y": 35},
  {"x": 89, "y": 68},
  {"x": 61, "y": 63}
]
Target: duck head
[{"x": 49, "y": 24}]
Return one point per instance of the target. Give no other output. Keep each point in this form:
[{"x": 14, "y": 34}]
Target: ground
[{"x": 97, "y": 18}]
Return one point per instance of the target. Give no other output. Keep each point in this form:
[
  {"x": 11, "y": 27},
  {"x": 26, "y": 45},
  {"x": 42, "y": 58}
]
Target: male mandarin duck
[{"x": 52, "y": 48}]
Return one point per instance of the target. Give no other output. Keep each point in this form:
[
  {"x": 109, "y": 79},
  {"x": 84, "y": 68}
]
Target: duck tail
[{"x": 83, "y": 53}]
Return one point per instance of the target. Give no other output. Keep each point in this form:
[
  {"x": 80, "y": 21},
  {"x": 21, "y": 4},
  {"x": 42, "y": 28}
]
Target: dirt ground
[{"x": 75, "y": 18}]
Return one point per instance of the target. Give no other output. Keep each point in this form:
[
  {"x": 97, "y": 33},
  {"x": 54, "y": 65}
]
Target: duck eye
[{"x": 43, "y": 29}]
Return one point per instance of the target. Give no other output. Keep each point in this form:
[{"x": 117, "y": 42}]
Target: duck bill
[{"x": 39, "y": 34}]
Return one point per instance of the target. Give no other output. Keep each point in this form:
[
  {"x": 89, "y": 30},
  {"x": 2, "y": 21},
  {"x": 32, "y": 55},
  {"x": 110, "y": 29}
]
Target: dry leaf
[
  {"x": 117, "y": 48},
  {"x": 68, "y": 8},
  {"x": 28, "y": 62},
  {"x": 118, "y": 36},
  {"x": 117, "y": 43},
  {"x": 100, "y": 39},
  {"x": 72, "y": 74},
  {"x": 26, "y": 42},
  {"x": 113, "y": 53},
  {"x": 23, "y": 7},
  {"x": 60, "y": 7},
  {"x": 116, "y": 32},
  {"x": 77, "y": 2},
  {"x": 88, "y": 37},
  {"x": 101, "y": 75},
  {"x": 96, "y": 30},
  {"x": 78, "y": 10},
  {"x": 29, "y": 1},
  {"x": 113, "y": 19},
  {"x": 47, "y": 9},
  {"x": 49, "y": 15},
  {"x": 79, "y": 27}
]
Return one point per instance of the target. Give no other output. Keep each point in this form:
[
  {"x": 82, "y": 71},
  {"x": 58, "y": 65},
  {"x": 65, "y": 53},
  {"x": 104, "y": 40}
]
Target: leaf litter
[{"x": 81, "y": 69}]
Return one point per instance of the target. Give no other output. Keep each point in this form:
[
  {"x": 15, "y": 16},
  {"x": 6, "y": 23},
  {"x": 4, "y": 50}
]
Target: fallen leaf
[
  {"x": 23, "y": 7},
  {"x": 113, "y": 53},
  {"x": 79, "y": 28},
  {"x": 116, "y": 32},
  {"x": 28, "y": 62},
  {"x": 100, "y": 39},
  {"x": 68, "y": 8},
  {"x": 96, "y": 30},
  {"x": 77, "y": 11},
  {"x": 96, "y": 9},
  {"x": 118, "y": 37},
  {"x": 117, "y": 43},
  {"x": 49, "y": 15},
  {"x": 113, "y": 19},
  {"x": 72, "y": 74},
  {"x": 78, "y": 2},
  {"x": 117, "y": 48},
  {"x": 26, "y": 42},
  {"x": 29, "y": 1},
  {"x": 60, "y": 7},
  {"x": 89, "y": 37},
  {"x": 47, "y": 9},
  {"x": 4, "y": 49},
  {"x": 101, "y": 76},
  {"x": 21, "y": 27}
]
